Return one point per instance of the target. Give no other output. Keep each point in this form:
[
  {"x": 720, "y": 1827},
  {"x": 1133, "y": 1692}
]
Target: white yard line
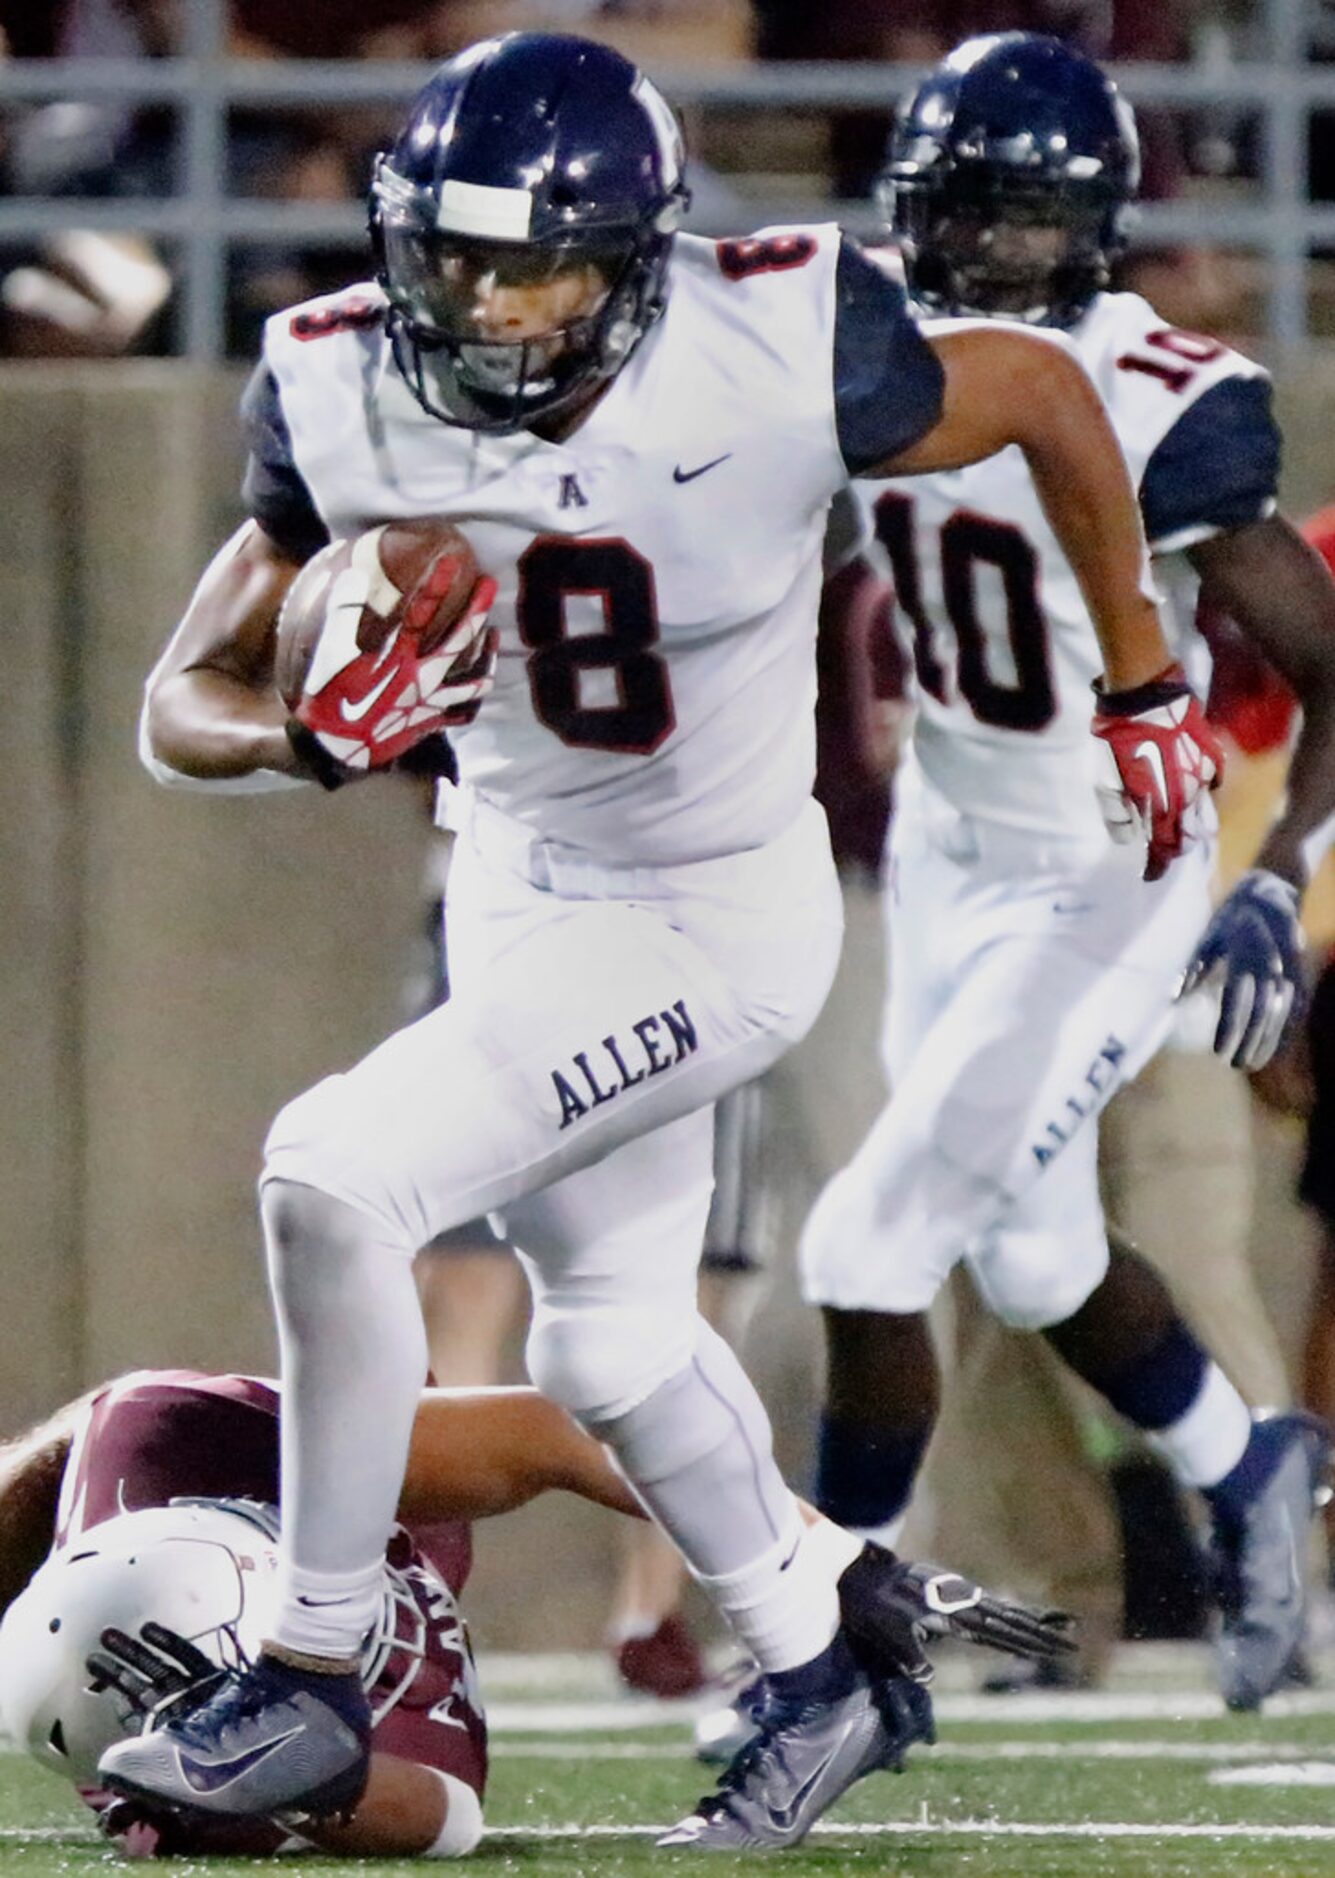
[
  {"x": 1203, "y": 1753},
  {"x": 891, "y": 1828},
  {"x": 53, "y": 1835},
  {"x": 964, "y": 1829},
  {"x": 618, "y": 1715}
]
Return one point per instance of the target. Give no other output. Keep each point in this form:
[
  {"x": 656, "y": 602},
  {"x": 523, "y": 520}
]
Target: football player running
[
  {"x": 1032, "y": 970},
  {"x": 641, "y": 433},
  {"x": 137, "y": 1560}
]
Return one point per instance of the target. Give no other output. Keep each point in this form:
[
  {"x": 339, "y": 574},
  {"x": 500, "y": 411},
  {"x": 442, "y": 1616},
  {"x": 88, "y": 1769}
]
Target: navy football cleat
[
  {"x": 1258, "y": 1559},
  {"x": 270, "y": 1739},
  {"x": 799, "y": 1761}
]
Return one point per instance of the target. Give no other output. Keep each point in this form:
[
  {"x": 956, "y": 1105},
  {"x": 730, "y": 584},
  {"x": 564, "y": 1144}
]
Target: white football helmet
[{"x": 206, "y": 1569}]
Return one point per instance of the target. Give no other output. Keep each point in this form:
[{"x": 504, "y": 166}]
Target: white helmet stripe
[{"x": 479, "y": 209}]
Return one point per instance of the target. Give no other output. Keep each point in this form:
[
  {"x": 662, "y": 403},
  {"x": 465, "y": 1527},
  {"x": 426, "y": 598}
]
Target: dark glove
[
  {"x": 1253, "y": 951},
  {"x": 160, "y": 1674},
  {"x": 891, "y": 1606}
]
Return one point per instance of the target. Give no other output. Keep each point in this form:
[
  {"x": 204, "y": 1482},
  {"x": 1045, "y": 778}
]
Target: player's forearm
[
  {"x": 1079, "y": 472},
  {"x": 478, "y": 1453},
  {"x": 211, "y": 709},
  {"x": 1279, "y": 591},
  {"x": 1300, "y": 834},
  {"x": 1012, "y": 388},
  {"x": 212, "y": 726},
  {"x": 400, "y": 1815}
]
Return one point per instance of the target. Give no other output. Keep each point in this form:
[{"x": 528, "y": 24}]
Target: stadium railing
[{"x": 204, "y": 224}]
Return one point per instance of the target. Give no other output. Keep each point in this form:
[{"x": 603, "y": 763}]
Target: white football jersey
[
  {"x": 988, "y": 606},
  {"x": 659, "y": 570}
]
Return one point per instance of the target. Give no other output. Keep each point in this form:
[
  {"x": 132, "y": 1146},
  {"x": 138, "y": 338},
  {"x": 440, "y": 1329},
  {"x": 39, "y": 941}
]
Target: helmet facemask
[
  {"x": 498, "y": 335},
  {"x": 1032, "y": 250}
]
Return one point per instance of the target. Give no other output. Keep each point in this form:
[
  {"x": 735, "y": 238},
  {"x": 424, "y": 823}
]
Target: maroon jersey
[{"x": 159, "y": 1435}]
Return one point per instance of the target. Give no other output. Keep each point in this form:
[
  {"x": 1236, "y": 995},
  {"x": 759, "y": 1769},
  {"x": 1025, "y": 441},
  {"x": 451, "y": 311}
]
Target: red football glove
[
  {"x": 364, "y": 709},
  {"x": 1161, "y": 757}
]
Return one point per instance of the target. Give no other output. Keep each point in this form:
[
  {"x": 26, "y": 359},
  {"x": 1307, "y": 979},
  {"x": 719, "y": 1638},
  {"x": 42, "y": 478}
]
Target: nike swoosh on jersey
[
  {"x": 679, "y": 475},
  {"x": 213, "y": 1776},
  {"x": 1153, "y": 757},
  {"x": 352, "y": 712}
]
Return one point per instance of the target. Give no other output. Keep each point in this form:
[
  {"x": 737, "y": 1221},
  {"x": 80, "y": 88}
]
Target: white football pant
[
  {"x": 596, "y": 1013},
  {"x": 1029, "y": 979}
]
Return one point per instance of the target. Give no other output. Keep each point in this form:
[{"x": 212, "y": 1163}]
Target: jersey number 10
[{"x": 966, "y": 540}]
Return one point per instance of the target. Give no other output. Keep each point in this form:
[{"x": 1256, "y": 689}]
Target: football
[{"x": 426, "y": 561}]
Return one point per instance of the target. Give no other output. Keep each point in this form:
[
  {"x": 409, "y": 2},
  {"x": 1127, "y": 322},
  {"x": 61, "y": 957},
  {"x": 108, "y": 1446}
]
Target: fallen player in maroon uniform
[{"x": 181, "y": 1468}]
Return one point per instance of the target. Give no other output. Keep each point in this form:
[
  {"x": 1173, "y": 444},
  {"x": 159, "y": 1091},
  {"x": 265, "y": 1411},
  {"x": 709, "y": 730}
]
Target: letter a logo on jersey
[{"x": 572, "y": 496}]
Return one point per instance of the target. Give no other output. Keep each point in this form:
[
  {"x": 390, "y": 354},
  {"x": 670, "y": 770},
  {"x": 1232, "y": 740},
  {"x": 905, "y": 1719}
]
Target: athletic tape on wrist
[{"x": 463, "y": 1819}]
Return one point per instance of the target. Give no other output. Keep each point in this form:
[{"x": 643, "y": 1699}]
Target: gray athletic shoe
[
  {"x": 799, "y": 1762},
  {"x": 264, "y": 1742},
  {"x": 1259, "y": 1565}
]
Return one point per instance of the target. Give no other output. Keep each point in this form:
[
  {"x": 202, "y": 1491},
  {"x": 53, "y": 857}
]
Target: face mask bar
[
  {"x": 477, "y": 379},
  {"x": 1035, "y": 252},
  {"x": 464, "y": 375}
]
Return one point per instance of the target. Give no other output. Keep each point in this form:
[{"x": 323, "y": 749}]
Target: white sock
[
  {"x": 835, "y": 1544},
  {"x": 1207, "y": 1442},
  {"x": 783, "y": 1606},
  {"x": 317, "y": 1611},
  {"x": 887, "y": 1534}
]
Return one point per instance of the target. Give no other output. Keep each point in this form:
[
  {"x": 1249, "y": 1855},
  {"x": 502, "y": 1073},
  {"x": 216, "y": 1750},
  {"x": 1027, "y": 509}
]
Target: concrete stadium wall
[{"x": 175, "y": 966}]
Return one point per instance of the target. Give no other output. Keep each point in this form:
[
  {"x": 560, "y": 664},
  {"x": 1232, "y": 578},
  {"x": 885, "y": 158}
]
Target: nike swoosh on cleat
[
  {"x": 679, "y": 475},
  {"x": 213, "y": 1776},
  {"x": 784, "y": 1818},
  {"x": 352, "y": 713},
  {"x": 320, "y": 1604}
]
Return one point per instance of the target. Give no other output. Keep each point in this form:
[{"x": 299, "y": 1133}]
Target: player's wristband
[
  {"x": 1166, "y": 688},
  {"x": 463, "y": 1819},
  {"x": 316, "y": 762}
]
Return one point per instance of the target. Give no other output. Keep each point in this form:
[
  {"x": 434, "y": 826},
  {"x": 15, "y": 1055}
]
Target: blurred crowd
[{"x": 88, "y": 294}]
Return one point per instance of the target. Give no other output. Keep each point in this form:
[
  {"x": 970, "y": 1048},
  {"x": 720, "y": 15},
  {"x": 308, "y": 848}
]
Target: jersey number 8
[{"x": 621, "y": 659}]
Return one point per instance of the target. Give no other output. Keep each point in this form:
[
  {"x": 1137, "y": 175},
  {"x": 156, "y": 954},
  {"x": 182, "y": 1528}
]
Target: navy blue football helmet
[
  {"x": 1008, "y": 178},
  {"x": 535, "y": 160}
]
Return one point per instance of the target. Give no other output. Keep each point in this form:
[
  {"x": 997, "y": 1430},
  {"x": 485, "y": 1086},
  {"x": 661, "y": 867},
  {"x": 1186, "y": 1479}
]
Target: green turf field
[{"x": 1147, "y": 1780}]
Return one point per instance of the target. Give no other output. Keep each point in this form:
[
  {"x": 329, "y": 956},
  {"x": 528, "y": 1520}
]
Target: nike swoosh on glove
[
  {"x": 1253, "y": 952},
  {"x": 1161, "y": 757},
  {"x": 362, "y": 710}
]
